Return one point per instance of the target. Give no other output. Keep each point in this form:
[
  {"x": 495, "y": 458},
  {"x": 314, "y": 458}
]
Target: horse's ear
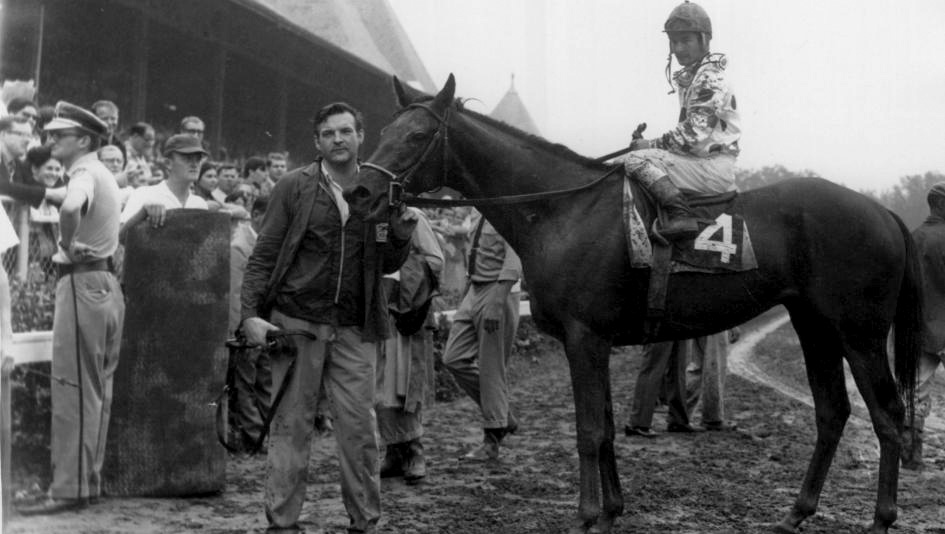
[
  {"x": 406, "y": 94},
  {"x": 445, "y": 97},
  {"x": 402, "y": 98}
]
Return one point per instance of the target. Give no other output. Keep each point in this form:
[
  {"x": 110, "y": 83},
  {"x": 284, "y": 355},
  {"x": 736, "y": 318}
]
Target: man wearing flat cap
[
  {"x": 89, "y": 314},
  {"x": 184, "y": 154},
  {"x": 930, "y": 244}
]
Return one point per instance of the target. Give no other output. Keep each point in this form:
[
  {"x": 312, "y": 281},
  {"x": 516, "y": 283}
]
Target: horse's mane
[{"x": 542, "y": 143}]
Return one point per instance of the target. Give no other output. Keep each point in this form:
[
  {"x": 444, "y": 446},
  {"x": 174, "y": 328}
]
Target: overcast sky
[{"x": 851, "y": 89}]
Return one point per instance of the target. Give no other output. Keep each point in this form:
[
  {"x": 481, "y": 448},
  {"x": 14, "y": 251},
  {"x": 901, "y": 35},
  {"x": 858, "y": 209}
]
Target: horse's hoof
[
  {"x": 582, "y": 527},
  {"x": 784, "y": 528}
]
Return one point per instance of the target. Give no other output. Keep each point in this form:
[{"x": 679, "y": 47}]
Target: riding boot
[
  {"x": 393, "y": 464},
  {"x": 911, "y": 451},
  {"x": 414, "y": 466},
  {"x": 679, "y": 222}
]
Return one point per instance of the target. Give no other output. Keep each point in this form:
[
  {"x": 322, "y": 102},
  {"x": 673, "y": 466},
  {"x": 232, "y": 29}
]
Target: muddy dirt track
[{"x": 738, "y": 482}]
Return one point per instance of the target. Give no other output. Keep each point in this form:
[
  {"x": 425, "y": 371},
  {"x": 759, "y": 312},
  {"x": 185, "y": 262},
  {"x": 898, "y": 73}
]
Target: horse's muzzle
[{"x": 372, "y": 208}]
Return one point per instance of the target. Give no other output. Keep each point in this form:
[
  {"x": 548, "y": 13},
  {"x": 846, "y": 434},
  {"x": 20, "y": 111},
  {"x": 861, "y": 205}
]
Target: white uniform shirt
[{"x": 158, "y": 194}]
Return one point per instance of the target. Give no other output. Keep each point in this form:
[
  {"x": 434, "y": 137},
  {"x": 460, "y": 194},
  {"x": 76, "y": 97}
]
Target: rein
[
  {"x": 508, "y": 199},
  {"x": 397, "y": 196}
]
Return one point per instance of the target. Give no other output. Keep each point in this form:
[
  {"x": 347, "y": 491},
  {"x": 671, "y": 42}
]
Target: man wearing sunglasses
[{"x": 89, "y": 315}]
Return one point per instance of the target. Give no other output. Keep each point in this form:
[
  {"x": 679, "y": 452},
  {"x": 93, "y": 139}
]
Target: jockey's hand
[
  {"x": 734, "y": 334},
  {"x": 255, "y": 329},
  {"x": 639, "y": 144}
]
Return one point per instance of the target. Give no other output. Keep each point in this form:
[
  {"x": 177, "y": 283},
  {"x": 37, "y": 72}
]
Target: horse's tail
[{"x": 908, "y": 324}]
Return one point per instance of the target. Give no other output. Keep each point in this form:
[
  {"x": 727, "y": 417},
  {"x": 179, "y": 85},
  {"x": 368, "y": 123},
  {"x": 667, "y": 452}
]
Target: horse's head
[{"x": 411, "y": 155}]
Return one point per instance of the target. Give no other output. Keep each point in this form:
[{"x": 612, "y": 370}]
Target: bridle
[
  {"x": 396, "y": 196},
  {"x": 399, "y": 182}
]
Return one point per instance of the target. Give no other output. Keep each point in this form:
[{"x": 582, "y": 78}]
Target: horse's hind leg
[
  {"x": 824, "y": 362},
  {"x": 868, "y": 364},
  {"x": 589, "y": 359}
]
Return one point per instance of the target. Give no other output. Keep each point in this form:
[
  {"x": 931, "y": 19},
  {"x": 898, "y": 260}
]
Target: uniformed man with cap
[
  {"x": 930, "y": 243},
  {"x": 89, "y": 314},
  {"x": 699, "y": 153}
]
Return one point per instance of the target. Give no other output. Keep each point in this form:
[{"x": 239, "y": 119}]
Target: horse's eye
[{"x": 418, "y": 136}]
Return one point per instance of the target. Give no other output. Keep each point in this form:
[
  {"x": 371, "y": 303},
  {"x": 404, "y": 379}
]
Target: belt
[{"x": 105, "y": 264}]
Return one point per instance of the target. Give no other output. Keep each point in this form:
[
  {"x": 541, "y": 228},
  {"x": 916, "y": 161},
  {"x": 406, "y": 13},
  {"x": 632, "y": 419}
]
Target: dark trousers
[{"x": 669, "y": 359}]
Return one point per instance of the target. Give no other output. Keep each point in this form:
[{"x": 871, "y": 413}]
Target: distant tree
[
  {"x": 754, "y": 178},
  {"x": 908, "y": 198}
]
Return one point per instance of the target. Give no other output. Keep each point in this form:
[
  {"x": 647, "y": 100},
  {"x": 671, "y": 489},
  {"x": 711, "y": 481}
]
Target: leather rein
[{"x": 397, "y": 196}]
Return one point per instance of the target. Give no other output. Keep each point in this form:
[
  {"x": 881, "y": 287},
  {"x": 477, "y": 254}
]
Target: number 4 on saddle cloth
[{"x": 722, "y": 245}]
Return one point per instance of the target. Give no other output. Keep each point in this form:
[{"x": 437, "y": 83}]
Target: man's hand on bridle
[
  {"x": 255, "y": 328},
  {"x": 402, "y": 222}
]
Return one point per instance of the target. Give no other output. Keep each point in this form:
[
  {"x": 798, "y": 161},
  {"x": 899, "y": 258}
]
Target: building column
[
  {"x": 218, "y": 86},
  {"x": 282, "y": 110},
  {"x": 140, "y": 63}
]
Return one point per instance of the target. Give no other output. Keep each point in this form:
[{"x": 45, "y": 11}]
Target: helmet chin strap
[{"x": 704, "y": 41}]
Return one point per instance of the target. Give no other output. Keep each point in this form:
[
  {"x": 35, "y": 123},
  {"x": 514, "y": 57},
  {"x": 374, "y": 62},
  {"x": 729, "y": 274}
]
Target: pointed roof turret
[{"x": 511, "y": 110}]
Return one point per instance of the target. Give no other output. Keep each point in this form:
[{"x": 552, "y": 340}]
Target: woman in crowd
[
  {"x": 158, "y": 172},
  {"x": 48, "y": 172},
  {"x": 206, "y": 186}
]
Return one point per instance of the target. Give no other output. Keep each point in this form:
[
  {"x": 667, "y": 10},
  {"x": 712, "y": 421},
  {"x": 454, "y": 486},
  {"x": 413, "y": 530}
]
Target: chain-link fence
[{"x": 30, "y": 267}]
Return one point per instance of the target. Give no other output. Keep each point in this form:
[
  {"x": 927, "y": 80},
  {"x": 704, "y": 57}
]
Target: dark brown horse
[{"x": 843, "y": 265}]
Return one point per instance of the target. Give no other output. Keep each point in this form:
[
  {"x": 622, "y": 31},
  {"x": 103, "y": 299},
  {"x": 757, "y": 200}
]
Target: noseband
[{"x": 400, "y": 181}]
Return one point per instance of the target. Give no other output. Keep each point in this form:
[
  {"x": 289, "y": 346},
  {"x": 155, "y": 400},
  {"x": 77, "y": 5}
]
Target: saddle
[{"x": 723, "y": 244}]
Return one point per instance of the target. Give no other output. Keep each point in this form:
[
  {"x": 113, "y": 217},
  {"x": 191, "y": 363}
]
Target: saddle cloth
[{"x": 722, "y": 245}]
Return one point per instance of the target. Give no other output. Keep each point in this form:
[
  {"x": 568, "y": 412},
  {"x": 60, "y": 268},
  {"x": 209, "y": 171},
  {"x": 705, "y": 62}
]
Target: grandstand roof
[{"x": 368, "y": 29}]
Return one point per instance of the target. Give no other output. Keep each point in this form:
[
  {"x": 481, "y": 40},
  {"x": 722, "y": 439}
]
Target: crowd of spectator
[{"x": 135, "y": 156}]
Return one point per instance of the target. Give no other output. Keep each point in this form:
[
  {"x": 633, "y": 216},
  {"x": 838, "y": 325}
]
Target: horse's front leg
[{"x": 589, "y": 357}]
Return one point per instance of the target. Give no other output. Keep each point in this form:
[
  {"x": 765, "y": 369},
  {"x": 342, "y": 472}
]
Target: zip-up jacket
[{"x": 310, "y": 267}]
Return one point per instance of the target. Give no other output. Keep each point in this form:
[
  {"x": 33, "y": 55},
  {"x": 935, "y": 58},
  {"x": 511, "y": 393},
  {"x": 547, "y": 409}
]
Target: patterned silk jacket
[{"x": 708, "y": 117}]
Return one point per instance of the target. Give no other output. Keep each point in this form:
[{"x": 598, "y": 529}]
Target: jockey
[{"x": 699, "y": 153}]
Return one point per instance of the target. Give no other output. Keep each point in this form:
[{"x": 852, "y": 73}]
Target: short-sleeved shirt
[
  {"x": 158, "y": 194},
  {"x": 98, "y": 227},
  {"x": 495, "y": 260}
]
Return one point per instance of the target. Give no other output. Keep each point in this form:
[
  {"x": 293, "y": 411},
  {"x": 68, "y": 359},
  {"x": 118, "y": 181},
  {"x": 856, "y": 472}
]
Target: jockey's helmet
[{"x": 688, "y": 17}]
